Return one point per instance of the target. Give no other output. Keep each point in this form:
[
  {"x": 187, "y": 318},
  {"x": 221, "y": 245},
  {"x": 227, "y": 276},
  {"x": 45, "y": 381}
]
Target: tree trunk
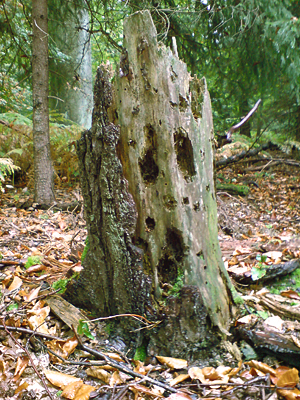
[
  {"x": 43, "y": 169},
  {"x": 161, "y": 227},
  {"x": 72, "y": 77},
  {"x": 245, "y": 129}
]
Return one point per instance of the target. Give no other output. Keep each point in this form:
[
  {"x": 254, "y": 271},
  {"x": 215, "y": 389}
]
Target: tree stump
[{"x": 150, "y": 201}]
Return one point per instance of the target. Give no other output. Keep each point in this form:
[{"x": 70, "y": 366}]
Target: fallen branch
[
  {"x": 123, "y": 368},
  {"x": 87, "y": 363},
  {"x": 243, "y": 154},
  {"x": 29, "y": 332},
  {"x": 272, "y": 162},
  {"x": 272, "y": 272},
  {"x": 31, "y": 362}
]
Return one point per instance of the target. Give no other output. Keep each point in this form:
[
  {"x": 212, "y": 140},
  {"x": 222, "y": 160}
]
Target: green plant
[
  {"x": 140, "y": 353},
  {"x": 83, "y": 329},
  {"x": 13, "y": 306},
  {"x": 109, "y": 326},
  {"x": 62, "y": 283},
  {"x": 260, "y": 270},
  {"x": 7, "y": 167},
  {"x": 290, "y": 281},
  {"x": 263, "y": 314},
  {"x": 178, "y": 285},
  {"x": 33, "y": 260}
]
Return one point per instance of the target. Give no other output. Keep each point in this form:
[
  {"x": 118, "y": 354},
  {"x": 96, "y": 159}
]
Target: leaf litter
[{"x": 42, "y": 356}]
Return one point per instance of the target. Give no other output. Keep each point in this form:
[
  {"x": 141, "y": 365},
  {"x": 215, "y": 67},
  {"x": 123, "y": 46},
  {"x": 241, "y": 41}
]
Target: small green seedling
[
  {"x": 259, "y": 271},
  {"x": 140, "y": 353},
  {"x": 33, "y": 260},
  {"x": 83, "y": 329},
  {"x": 13, "y": 306}
]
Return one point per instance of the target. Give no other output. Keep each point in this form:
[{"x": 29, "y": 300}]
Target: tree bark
[
  {"x": 43, "y": 169},
  {"x": 161, "y": 227},
  {"x": 72, "y": 78},
  {"x": 246, "y": 128}
]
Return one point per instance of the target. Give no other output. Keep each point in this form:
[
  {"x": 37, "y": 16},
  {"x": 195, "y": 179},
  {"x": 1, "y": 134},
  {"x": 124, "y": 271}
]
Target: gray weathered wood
[
  {"x": 147, "y": 183},
  {"x": 166, "y": 149}
]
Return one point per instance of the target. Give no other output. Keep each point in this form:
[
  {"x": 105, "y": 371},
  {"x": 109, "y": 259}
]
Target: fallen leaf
[
  {"x": 32, "y": 295},
  {"x": 275, "y": 322},
  {"x": 22, "y": 387},
  {"x": 196, "y": 373},
  {"x": 289, "y": 394},
  {"x": 37, "y": 321},
  {"x": 115, "y": 379},
  {"x": 261, "y": 367},
  {"x": 274, "y": 255},
  {"x": 174, "y": 363},
  {"x": 296, "y": 340},
  {"x": 22, "y": 363},
  {"x": 62, "y": 348},
  {"x": 179, "y": 396},
  {"x": 99, "y": 373},
  {"x": 289, "y": 378},
  {"x": 16, "y": 283},
  {"x": 84, "y": 392},
  {"x": 178, "y": 379},
  {"x": 59, "y": 379},
  {"x": 145, "y": 390},
  {"x": 71, "y": 390},
  {"x": 114, "y": 356},
  {"x": 291, "y": 294}
]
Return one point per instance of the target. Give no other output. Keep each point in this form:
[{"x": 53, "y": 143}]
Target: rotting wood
[
  {"x": 149, "y": 198},
  {"x": 272, "y": 272},
  {"x": 65, "y": 311},
  {"x": 269, "y": 340}
]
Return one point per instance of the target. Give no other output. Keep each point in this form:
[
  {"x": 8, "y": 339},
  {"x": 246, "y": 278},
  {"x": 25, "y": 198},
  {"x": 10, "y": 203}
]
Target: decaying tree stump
[{"x": 160, "y": 228}]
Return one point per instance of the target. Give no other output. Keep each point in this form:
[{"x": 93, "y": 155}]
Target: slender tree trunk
[
  {"x": 246, "y": 128},
  {"x": 43, "y": 168},
  {"x": 72, "y": 77}
]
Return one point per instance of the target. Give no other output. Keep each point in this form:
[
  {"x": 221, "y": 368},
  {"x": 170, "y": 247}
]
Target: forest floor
[{"x": 39, "y": 248}]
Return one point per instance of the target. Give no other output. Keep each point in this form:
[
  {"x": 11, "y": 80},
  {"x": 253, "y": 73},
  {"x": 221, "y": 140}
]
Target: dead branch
[
  {"x": 123, "y": 368},
  {"x": 29, "y": 331},
  {"x": 245, "y": 153},
  {"x": 87, "y": 363},
  {"x": 30, "y": 359},
  {"x": 272, "y": 162},
  {"x": 244, "y": 120}
]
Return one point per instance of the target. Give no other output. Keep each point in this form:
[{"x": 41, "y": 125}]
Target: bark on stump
[{"x": 162, "y": 226}]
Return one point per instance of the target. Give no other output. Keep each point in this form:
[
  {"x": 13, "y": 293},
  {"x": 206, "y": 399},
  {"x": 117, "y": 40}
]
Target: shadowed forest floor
[{"x": 39, "y": 248}]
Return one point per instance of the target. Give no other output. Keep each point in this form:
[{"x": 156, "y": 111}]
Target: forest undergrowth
[{"x": 42, "y": 355}]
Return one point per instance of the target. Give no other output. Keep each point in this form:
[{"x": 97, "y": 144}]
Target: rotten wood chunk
[
  {"x": 69, "y": 314},
  {"x": 272, "y": 272},
  {"x": 268, "y": 340},
  {"x": 274, "y": 304}
]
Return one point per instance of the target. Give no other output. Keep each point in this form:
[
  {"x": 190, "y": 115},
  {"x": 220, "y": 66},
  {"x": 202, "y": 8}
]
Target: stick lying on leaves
[
  {"x": 30, "y": 359},
  {"x": 123, "y": 368}
]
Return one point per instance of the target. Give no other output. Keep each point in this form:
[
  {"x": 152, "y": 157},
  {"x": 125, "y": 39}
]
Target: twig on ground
[
  {"x": 31, "y": 362},
  {"x": 29, "y": 331},
  {"x": 123, "y": 368},
  {"x": 88, "y": 363}
]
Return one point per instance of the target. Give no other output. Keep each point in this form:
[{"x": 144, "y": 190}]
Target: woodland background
[{"x": 246, "y": 50}]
